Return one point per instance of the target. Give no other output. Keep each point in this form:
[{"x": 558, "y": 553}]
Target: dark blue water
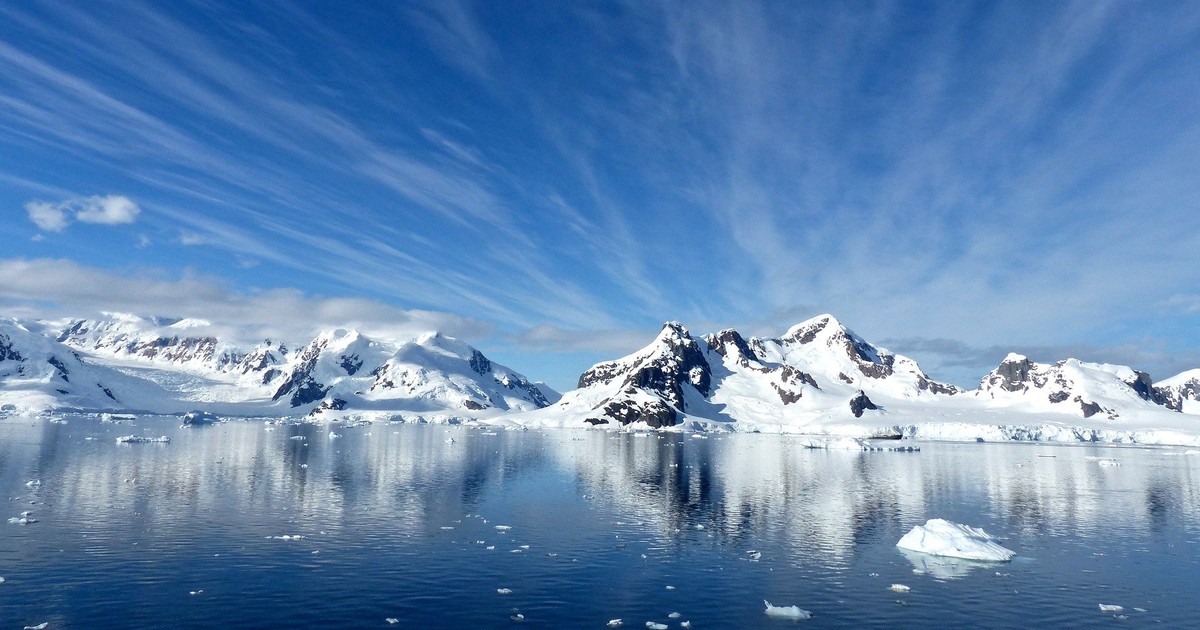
[{"x": 398, "y": 521}]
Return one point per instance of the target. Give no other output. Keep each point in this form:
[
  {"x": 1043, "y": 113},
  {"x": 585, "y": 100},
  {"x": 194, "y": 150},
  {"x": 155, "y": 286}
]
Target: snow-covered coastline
[{"x": 817, "y": 379}]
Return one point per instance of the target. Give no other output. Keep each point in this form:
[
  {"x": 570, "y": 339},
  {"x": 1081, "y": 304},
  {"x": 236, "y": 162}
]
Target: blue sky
[{"x": 552, "y": 181}]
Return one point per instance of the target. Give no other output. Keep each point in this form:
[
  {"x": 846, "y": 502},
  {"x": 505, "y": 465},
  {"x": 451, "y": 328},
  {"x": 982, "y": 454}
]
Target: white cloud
[
  {"x": 107, "y": 210},
  {"x": 47, "y": 216},
  {"x": 98, "y": 209},
  {"x": 48, "y": 288}
]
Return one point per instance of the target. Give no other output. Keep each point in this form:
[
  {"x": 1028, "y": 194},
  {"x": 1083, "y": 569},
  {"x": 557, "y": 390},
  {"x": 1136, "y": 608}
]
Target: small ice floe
[
  {"x": 685, "y": 624},
  {"x": 25, "y": 518},
  {"x": 614, "y": 623},
  {"x": 787, "y": 612},
  {"x": 1, "y": 580},
  {"x": 138, "y": 439},
  {"x": 674, "y": 615},
  {"x": 939, "y": 537},
  {"x": 900, "y": 588},
  {"x": 196, "y": 592},
  {"x": 670, "y": 588},
  {"x": 503, "y": 528},
  {"x": 392, "y": 620},
  {"x": 504, "y": 591},
  {"x": 516, "y": 615},
  {"x": 334, "y": 436},
  {"x": 40, "y": 626},
  {"x": 297, "y": 437},
  {"x": 446, "y": 528},
  {"x": 1111, "y": 608},
  {"x": 654, "y": 625},
  {"x": 525, "y": 547},
  {"x": 1108, "y": 462},
  {"x": 288, "y": 537},
  {"x": 698, "y": 526},
  {"x": 33, "y": 484},
  {"x": 755, "y": 556}
]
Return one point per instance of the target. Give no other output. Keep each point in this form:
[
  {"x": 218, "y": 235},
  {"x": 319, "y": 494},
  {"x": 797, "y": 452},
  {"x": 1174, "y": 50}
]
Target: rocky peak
[{"x": 1012, "y": 375}]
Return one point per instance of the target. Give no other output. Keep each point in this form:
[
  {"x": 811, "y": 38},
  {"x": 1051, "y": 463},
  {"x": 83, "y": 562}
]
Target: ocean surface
[{"x": 248, "y": 525}]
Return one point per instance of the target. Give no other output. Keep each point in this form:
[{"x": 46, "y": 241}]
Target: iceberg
[
  {"x": 787, "y": 612},
  {"x": 939, "y": 537}
]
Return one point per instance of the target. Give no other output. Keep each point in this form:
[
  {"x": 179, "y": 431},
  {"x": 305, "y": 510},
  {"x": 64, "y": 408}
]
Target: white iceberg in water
[
  {"x": 787, "y": 612},
  {"x": 939, "y": 537},
  {"x": 137, "y": 439}
]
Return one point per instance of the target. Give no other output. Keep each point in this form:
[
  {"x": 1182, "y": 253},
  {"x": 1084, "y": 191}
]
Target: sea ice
[
  {"x": 787, "y": 612},
  {"x": 504, "y": 591},
  {"x": 900, "y": 588},
  {"x": 1111, "y": 608},
  {"x": 615, "y": 623},
  {"x": 504, "y": 528},
  {"x": 939, "y": 537},
  {"x": 656, "y": 626},
  {"x": 674, "y": 615},
  {"x": 33, "y": 484},
  {"x": 685, "y": 624},
  {"x": 392, "y": 620},
  {"x": 40, "y": 626},
  {"x": 137, "y": 439}
]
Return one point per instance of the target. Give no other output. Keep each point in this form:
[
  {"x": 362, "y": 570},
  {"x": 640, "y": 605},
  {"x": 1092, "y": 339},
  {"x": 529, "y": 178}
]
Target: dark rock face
[
  {"x": 1059, "y": 396},
  {"x": 1014, "y": 375},
  {"x": 7, "y": 351},
  {"x": 300, "y": 383},
  {"x": 62, "y": 369},
  {"x": 728, "y": 342},
  {"x": 655, "y": 413},
  {"x": 308, "y": 391},
  {"x": 350, "y": 364},
  {"x": 473, "y": 406},
  {"x": 479, "y": 363},
  {"x": 787, "y": 396},
  {"x": 1145, "y": 389},
  {"x": 860, "y": 403},
  {"x": 935, "y": 387},
  {"x": 1173, "y": 397},
  {"x": 1089, "y": 408},
  {"x": 596, "y": 421}
]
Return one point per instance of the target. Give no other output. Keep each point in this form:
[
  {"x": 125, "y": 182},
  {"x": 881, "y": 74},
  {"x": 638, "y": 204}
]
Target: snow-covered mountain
[
  {"x": 37, "y": 372},
  {"x": 164, "y": 366},
  {"x": 1181, "y": 391},
  {"x": 1072, "y": 386},
  {"x": 818, "y": 369},
  {"x": 820, "y": 377}
]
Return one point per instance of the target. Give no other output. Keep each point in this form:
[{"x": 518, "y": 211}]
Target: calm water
[{"x": 398, "y": 521}]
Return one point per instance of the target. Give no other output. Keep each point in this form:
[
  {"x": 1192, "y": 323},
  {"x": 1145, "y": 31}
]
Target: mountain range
[{"x": 818, "y": 377}]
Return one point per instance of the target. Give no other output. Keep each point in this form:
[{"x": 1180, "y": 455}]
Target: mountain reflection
[{"x": 727, "y": 488}]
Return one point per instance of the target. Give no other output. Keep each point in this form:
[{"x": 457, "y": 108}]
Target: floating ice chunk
[
  {"x": 490, "y": 547},
  {"x": 504, "y": 591},
  {"x": 656, "y": 626},
  {"x": 504, "y": 528},
  {"x": 22, "y": 520},
  {"x": 334, "y": 436},
  {"x": 674, "y": 615},
  {"x": 900, "y": 588},
  {"x": 40, "y": 626},
  {"x": 670, "y": 588},
  {"x": 938, "y": 537},
  {"x": 1, "y": 580},
  {"x": 447, "y": 527},
  {"x": 614, "y": 623},
  {"x": 755, "y": 556},
  {"x": 196, "y": 592},
  {"x": 297, "y": 437},
  {"x": 685, "y": 624},
  {"x": 137, "y": 439},
  {"x": 1111, "y": 608},
  {"x": 1108, "y": 462},
  {"x": 288, "y": 537},
  {"x": 787, "y": 612},
  {"x": 392, "y": 620},
  {"x": 33, "y": 484}
]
